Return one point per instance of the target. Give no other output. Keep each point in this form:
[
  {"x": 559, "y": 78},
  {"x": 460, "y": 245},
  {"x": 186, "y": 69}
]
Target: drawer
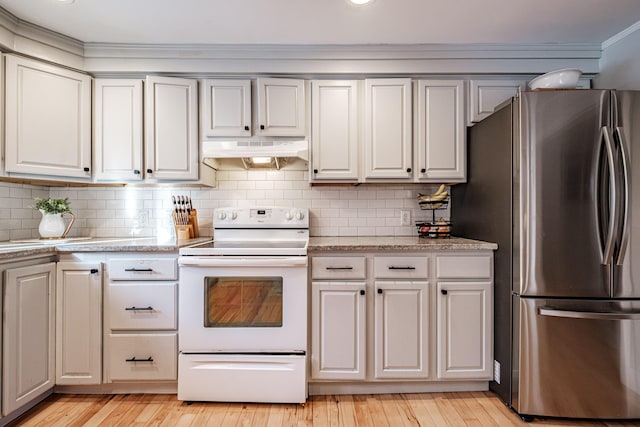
[
  {"x": 143, "y": 357},
  {"x": 338, "y": 268},
  {"x": 143, "y": 269},
  {"x": 141, "y": 305},
  {"x": 398, "y": 267},
  {"x": 463, "y": 267}
]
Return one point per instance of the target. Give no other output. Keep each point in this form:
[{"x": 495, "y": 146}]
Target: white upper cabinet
[
  {"x": 48, "y": 119},
  {"x": 171, "y": 128},
  {"x": 485, "y": 95},
  {"x": 118, "y": 130},
  {"x": 440, "y": 146},
  {"x": 387, "y": 129},
  {"x": 226, "y": 107},
  {"x": 334, "y": 130},
  {"x": 281, "y": 107}
]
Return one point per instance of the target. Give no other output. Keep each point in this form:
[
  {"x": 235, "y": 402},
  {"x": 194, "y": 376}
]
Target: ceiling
[{"x": 326, "y": 22}]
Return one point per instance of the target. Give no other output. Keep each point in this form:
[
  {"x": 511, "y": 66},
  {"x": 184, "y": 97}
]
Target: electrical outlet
[
  {"x": 143, "y": 218},
  {"x": 405, "y": 217}
]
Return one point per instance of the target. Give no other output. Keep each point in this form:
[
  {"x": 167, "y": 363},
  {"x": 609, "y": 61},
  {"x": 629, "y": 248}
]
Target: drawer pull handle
[
  {"x": 134, "y": 308},
  {"x": 339, "y": 268},
  {"x": 401, "y": 268},
  {"x": 133, "y": 359},
  {"x": 93, "y": 271},
  {"x": 137, "y": 270}
]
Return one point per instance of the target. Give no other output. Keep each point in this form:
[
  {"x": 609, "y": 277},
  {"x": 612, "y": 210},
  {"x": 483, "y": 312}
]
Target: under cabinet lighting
[
  {"x": 261, "y": 160},
  {"x": 359, "y": 2}
]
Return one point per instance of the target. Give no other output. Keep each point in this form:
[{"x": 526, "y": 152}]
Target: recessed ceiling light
[
  {"x": 65, "y": 1},
  {"x": 359, "y": 2}
]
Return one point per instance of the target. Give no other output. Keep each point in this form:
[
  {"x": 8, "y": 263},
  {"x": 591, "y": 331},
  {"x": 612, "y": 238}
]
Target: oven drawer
[
  {"x": 143, "y": 269},
  {"x": 400, "y": 267},
  {"x": 142, "y": 305},
  {"x": 143, "y": 357},
  {"x": 338, "y": 268}
]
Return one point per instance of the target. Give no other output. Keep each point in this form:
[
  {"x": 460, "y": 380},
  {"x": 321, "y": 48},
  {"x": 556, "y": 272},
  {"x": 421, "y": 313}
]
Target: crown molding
[{"x": 621, "y": 35}]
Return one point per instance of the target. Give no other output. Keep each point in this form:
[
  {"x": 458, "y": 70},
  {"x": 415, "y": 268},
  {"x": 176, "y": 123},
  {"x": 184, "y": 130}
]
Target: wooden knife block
[{"x": 189, "y": 230}]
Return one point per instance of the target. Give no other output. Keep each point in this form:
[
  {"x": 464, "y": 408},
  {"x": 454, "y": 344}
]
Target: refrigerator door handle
[
  {"x": 624, "y": 239},
  {"x": 594, "y": 315},
  {"x": 607, "y": 256}
]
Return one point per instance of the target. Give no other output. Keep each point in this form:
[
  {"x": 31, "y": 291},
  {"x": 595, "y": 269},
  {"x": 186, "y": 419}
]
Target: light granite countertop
[
  {"x": 391, "y": 243},
  {"x": 14, "y": 250}
]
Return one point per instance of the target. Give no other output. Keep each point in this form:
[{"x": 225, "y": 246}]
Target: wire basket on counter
[{"x": 440, "y": 229}]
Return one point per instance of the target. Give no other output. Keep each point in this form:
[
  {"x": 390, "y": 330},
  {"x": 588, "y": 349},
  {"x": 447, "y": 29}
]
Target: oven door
[{"x": 243, "y": 304}]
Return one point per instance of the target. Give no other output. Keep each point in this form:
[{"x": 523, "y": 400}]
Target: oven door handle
[{"x": 221, "y": 261}]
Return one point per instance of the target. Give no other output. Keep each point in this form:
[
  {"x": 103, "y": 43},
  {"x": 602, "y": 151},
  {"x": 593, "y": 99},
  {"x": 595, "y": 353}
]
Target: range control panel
[{"x": 268, "y": 217}]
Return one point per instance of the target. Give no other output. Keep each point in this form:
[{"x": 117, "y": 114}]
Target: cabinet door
[
  {"x": 28, "y": 336},
  {"x": 118, "y": 129},
  {"x": 334, "y": 130},
  {"x": 226, "y": 108},
  {"x": 48, "y": 119},
  {"x": 401, "y": 332},
  {"x": 387, "y": 128},
  {"x": 171, "y": 124},
  {"x": 78, "y": 323},
  {"x": 485, "y": 95},
  {"x": 465, "y": 322},
  {"x": 281, "y": 107},
  {"x": 440, "y": 145},
  {"x": 338, "y": 330}
]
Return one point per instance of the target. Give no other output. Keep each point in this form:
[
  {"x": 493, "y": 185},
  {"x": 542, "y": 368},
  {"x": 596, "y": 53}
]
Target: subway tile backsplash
[{"x": 335, "y": 210}]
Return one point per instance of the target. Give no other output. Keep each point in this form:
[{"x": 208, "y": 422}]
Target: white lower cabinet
[
  {"x": 338, "y": 330},
  {"x": 78, "y": 323},
  {"x": 389, "y": 317},
  {"x": 464, "y": 330},
  {"x": 28, "y": 368},
  {"x": 141, "y": 339},
  {"x": 401, "y": 329}
]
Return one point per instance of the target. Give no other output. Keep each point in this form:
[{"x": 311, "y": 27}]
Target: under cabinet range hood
[{"x": 256, "y": 153}]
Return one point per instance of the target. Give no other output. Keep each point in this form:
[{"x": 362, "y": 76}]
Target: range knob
[
  {"x": 222, "y": 215},
  {"x": 289, "y": 215},
  {"x": 299, "y": 215},
  {"x": 234, "y": 214}
]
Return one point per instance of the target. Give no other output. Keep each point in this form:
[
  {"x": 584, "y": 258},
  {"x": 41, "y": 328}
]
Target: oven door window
[{"x": 241, "y": 302}]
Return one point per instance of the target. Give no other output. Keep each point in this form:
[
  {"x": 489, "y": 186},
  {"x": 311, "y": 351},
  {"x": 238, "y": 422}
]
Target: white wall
[
  {"x": 620, "y": 63},
  {"x": 338, "y": 210},
  {"x": 17, "y": 219}
]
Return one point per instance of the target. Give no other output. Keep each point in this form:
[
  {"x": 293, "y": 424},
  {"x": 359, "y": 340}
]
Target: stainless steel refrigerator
[{"x": 552, "y": 178}]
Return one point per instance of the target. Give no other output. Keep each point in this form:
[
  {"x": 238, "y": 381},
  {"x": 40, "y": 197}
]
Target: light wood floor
[{"x": 428, "y": 409}]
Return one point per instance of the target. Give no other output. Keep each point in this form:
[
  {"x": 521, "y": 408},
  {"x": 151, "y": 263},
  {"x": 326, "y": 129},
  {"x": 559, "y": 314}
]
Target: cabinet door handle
[
  {"x": 93, "y": 271},
  {"x": 136, "y": 172},
  {"x": 261, "y": 127},
  {"x": 339, "y": 268},
  {"x": 134, "y": 308},
  {"x": 87, "y": 169},
  {"x": 408, "y": 169},
  {"x": 139, "y": 269},
  {"x": 423, "y": 170},
  {"x": 401, "y": 268},
  {"x": 315, "y": 171},
  {"x": 379, "y": 290},
  {"x": 444, "y": 291},
  {"x": 362, "y": 292},
  {"x": 246, "y": 128},
  {"x": 133, "y": 359},
  {"x": 149, "y": 171}
]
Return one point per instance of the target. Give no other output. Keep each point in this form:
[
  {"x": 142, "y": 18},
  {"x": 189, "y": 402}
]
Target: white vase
[{"x": 52, "y": 226}]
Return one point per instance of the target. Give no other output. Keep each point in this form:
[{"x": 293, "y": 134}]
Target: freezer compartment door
[{"x": 579, "y": 358}]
